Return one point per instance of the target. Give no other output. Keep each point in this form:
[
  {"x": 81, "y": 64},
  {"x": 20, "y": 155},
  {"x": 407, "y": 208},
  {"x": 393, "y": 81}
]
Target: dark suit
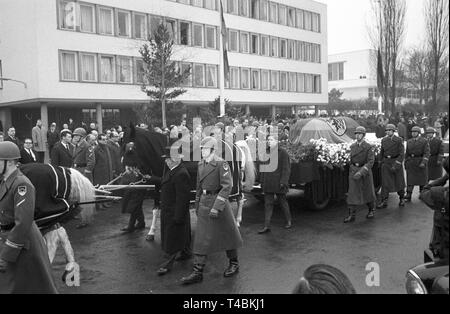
[
  {"x": 61, "y": 156},
  {"x": 26, "y": 157},
  {"x": 14, "y": 140}
]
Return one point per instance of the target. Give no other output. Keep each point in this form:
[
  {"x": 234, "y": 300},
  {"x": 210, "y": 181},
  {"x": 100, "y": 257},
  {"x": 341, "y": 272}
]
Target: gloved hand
[
  {"x": 214, "y": 214},
  {"x": 422, "y": 165},
  {"x": 3, "y": 266},
  {"x": 357, "y": 176}
]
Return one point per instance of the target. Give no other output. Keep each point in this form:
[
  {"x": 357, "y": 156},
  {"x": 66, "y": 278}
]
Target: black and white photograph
[{"x": 224, "y": 151}]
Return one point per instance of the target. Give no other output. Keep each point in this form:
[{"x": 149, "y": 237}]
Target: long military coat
[
  {"x": 392, "y": 156},
  {"x": 417, "y": 153},
  {"x": 23, "y": 247},
  {"x": 361, "y": 191},
  {"x": 271, "y": 180},
  {"x": 215, "y": 234},
  {"x": 435, "y": 161},
  {"x": 175, "y": 215}
]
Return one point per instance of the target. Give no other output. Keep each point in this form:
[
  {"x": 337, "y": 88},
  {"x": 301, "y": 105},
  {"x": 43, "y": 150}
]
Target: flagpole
[{"x": 221, "y": 67}]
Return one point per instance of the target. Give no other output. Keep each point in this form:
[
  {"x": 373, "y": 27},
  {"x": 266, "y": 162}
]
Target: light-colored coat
[
  {"x": 39, "y": 137},
  {"x": 215, "y": 234}
]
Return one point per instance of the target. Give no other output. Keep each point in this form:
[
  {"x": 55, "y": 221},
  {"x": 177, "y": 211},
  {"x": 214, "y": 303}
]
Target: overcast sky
[{"x": 348, "y": 20}]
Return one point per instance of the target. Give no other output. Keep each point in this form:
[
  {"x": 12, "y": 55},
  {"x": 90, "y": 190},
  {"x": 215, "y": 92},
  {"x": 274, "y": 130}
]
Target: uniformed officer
[
  {"x": 24, "y": 262},
  {"x": 216, "y": 227},
  {"x": 83, "y": 155},
  {"x": 416, "y": 162},
  {"x": 436, "y": 155},
  {"x": 392, "y": 174},
  {"x": 361, "y": 190}
]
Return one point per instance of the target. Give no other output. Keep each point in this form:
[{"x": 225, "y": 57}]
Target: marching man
[
  {"x": 436, "y": 155},
  {"x": 216, "y": 227},
  {"x": 416, "y": 162},
  {"x": 392, "y": 175},
  {"x": 361, "y": 190},
  {"x": 24, "y": 262}
]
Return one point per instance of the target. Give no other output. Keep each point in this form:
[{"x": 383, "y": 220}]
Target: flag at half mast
[{"x": 224, "y": 32}]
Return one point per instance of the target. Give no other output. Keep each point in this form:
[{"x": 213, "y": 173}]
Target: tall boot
[
  {"x": 232, "y": 269},
  {"x": 195, "y": 277},
  {"x": 402, "y": 201},
  {"x": 371, "y": 213},
  {"x": 382, "y": 204},
  {"x": 351, "y": 216}
]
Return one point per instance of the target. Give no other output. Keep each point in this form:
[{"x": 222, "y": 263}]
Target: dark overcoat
[
  {"x": 392, "y": 155},
  {"x": 26, "y": 158},
  {"x": 214, "y": 184},
  {"x": 175, "y": 215},
  {"x": 417, "y": 154},
  {"x": 61, "y": 156},
  {"x": 103, "y": 165},
  {"x": 116, "y": 155},
  {"x": 22, "y": 246},
  {"x": 435, "y": 161},
  {"x": 361, "y": 191},
  {"x": 273, "y": 179}
]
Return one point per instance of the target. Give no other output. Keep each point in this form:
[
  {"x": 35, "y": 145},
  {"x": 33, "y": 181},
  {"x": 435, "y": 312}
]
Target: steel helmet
[
  {"x": 416, "y": 129},
  {"x": 80, "y": 132},
  {"x": 209, "y": 142},
  {"x": 9, "y": 151},
  {"x": 360, "y": 130},
  {"x": 431, "y": 130},
  {"x": 390, "y": 127}
]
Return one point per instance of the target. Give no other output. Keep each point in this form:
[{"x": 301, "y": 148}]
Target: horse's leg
[
  {"x": 51, "y": 240},
  {"x": 151, "y": 233},
  {"x": 71, "y": 274},
  {"x": 240, "y": 205}
]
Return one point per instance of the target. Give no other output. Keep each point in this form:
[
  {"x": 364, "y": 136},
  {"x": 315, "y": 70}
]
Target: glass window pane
[
  {"x": 300, "y": 19},
  {"x": 68, "y": 66},
  {"x": 274, "y": 47},
  {"x": 274, "y": 80},
  {"x": 172, "y": 28},
  {"x": 184, "y": 67},
  {"x": 264, "y": 10},
  {"x": 255, "y": 44},
  {"x": 283, "y": 48},
  {"x": 67, "y": 16},
  {"x": 125, "y": 70},
  {"x": 199, "y": 75},
  {"x": 233, "y": 45},
  {"x": 245, "y": 78},
  {"x": 244, "y": 42},
  {"x": 87, "y": 18},
  {"x": 107, "y": 73},
  {"x": 282, "y": 15},
  {"x": 123, "y": 23},
  {"x": 283, "y": 81},
  {"x": 140, "y": 26},
  {"x": 88, "y": 68},
  {"x": 185, "y": 32},
  {"x": 243, "y": 7},
  {"x": 273, "y": 12},
  {"x": 105, "y": 22},
  {"x": 300, "y": 83},
  {"x": 234, "y": 75},
  {"x": 265, "y": 78},
  {"x": 198, "y": 35},
  {"x": 292, "y": 82},
  {"x": 211, "y": 76},
  {"x": 155, "y": 21},
  {"x": 254, "y": 9},
  {"x": 210, "y": 37},
  {"x": 264, "y": 46},
  {"x": 139, "y": 71},
  {"x": 232, "y": 6},
  {"x": 210, "y": 4},
  {"x": 197, "y": 3},
  {"x": 255, "y": 79},
  {"x": 291, "y": 17}
]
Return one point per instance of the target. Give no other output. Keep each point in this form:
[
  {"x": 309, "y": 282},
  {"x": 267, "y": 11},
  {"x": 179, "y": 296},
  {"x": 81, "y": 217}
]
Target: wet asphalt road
[{"x": 111, "y": 262}]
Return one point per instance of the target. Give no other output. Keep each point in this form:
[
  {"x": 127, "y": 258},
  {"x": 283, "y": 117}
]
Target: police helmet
[
  {"x": 416, "y": 129},
  {"x": 9, "y": 151},
  {"x": 80, "y": 132},
  {"x": 390, "y": 127},
  {"x": 209, "y": 142},
  {"x": 431, "y": 130},
  {"x": 360, "y": 130}
]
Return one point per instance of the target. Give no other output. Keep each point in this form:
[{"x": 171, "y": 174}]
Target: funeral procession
[{"x": 224, "y": 147}]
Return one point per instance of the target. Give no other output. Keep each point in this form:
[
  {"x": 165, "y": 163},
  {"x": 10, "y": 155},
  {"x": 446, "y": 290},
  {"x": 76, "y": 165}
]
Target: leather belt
[
  {"x": 206, "y": 192},
  {"x": 391, "y": 157},
  {"x": 7, "y": 227},
  {"x": 79, "y": 165}
]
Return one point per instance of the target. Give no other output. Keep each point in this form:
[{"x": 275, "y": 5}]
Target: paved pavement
[{"x": 272, "y": 263}]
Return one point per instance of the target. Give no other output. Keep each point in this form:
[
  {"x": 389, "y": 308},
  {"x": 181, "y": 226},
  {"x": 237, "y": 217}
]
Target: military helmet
[
  {"x": 416, "y": 129},
  {"x": 431, "y": 130},
  {"x": 390, "y": 127},
  {"x": 9, "y": 151},
  {"x": 80, "y": 132},
  {"x": 209, "y": 142},
  {"x": 360, "y": 130}
]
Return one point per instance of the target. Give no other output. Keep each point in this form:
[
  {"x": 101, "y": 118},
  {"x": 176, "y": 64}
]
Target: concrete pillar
[
  {"x": 99, "y": 118},
  {"x": 247, "y": 109},
  {"x": 316, "y": 109},
  {"x": 273, "y": 110},
  {"x": 6, "y": 118},
  {"x": 44, "y": 119}
]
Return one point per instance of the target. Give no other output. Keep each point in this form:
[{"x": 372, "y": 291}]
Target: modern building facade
[
  {"x": 355, "y": 75},
  {"x": 80, "y": 59}
]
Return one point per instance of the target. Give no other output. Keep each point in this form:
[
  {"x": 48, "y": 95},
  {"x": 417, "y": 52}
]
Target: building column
[
  {"x": 273, "y": 110},
  {"x": 5, "y": 118},
  {"x": 99, "y": 118},
  {"x": 316, "y": 109},
  {"x": 247, "y": 109}
]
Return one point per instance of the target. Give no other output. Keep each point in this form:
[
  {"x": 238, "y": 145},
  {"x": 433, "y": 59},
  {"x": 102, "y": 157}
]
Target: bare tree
[
  {"x": 387, "y": 36},
  {"x": 437, "y": 19},
  {"x": 418, "y": 72}
]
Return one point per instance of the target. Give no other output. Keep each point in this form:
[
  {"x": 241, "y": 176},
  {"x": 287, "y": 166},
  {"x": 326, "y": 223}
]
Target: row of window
[
  {"x": 263, "y": 45},
  {"x": 264, "y": 10},
  {"x": 92, "y": 67},
  {"x": 137, "y": 25}
]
